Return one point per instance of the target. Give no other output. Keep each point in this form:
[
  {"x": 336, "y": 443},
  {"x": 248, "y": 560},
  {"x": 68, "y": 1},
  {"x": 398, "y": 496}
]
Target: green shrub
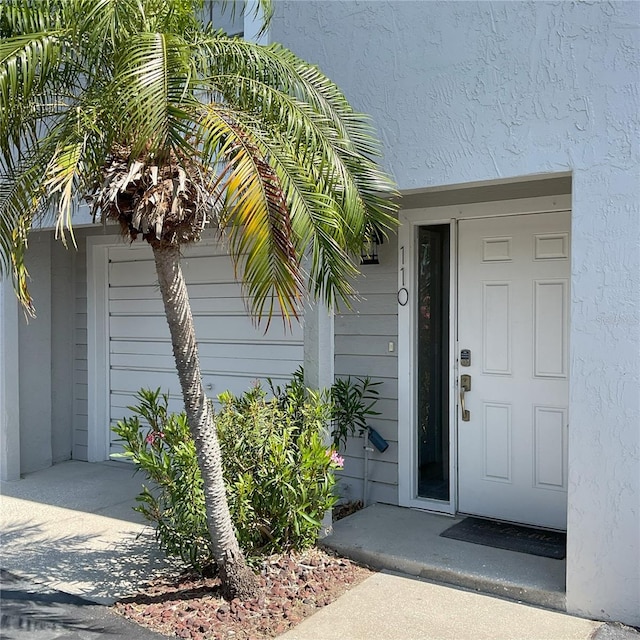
[
  {"x": 351, "y": 405},
  {"x": 161, "y": 447},
  {"x": 278, "y": 471}
]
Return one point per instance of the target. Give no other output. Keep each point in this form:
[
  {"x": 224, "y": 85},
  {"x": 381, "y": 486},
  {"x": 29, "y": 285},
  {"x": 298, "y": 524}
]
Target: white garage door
[{"x": 233, "y": 351}]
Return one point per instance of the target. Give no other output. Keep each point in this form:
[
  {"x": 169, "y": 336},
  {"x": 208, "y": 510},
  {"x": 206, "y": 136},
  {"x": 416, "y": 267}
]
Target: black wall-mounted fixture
[
  {"x": 369, "y": 254},
  {"x": 377, "y": 440}
]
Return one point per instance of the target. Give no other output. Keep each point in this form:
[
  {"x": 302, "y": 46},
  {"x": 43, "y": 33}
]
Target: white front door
[{"x": 513, "y": 305}]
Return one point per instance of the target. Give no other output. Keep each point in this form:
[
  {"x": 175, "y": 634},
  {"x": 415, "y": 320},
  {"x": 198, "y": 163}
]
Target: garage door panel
[
  {"x": 292, "y": 351},
  {"x": 136, "y": 327},
  {"x": 132, "y": 274},
  {"x": 141, "y": 251},
  {"x": 121, "y": 403},
  {"x": 217, "y": 269},
  {"x": 130, "y": 381},
  {"x": 209, "y": 306},
  {"x": 136, "y": 347},
  {"x": 151, "y": 292},
  {"x": 207, "y": 248},
  {"x": 258, "y": 366},
  {"x": 236, "y": 383},
  {"x": 201, "y": 270},
  {"x": 142, "y": 306},
  {"x": 129, "y": 252},
  {"x": 242, "y": 328},
  {"x": 229, "y": 327}
]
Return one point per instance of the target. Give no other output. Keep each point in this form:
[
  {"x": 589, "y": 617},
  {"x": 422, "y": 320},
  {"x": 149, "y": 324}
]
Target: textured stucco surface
[{"x": 464, "y": 92}]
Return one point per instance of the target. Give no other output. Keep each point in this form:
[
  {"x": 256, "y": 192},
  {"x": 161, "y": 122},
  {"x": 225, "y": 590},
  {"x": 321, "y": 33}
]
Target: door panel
[{"x": 513, "y": 304}]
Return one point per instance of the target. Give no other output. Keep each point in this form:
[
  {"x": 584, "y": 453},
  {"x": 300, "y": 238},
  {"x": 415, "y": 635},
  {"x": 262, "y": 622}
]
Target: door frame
[
  {"x": 98, "y": 437},
  {"x": 410, "y": 220}
]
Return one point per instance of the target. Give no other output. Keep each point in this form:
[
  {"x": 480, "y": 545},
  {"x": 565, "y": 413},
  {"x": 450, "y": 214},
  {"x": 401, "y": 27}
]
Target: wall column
[
  {"x": 319, "y": 363},
  {"x": 318, "y": 346},
  {"x": 9, "y": 386}
]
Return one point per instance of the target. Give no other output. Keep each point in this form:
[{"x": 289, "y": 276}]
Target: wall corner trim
[{"x": 98, "y": 347}]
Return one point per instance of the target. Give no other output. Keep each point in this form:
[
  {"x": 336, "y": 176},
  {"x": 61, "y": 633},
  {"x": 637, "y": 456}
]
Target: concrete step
[{"x": 408, "y": 541}]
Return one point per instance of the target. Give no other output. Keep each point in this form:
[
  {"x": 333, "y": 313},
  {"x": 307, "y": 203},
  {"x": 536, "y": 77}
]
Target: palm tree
[{"x": 167, "y": 125}]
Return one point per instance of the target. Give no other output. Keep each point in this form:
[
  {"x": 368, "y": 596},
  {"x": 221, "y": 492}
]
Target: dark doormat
[{"x": 500, "y": 535}]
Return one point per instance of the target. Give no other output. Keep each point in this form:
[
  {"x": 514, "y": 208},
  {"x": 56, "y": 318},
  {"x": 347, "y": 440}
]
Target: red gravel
[{"x": 293, "y": 587}]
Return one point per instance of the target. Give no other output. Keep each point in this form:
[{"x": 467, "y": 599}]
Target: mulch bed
[{"x": 294, "y": 586}]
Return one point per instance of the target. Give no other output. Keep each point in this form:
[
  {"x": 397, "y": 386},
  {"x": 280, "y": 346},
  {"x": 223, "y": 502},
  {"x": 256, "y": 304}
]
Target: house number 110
[{"x": 403, "y": 294}]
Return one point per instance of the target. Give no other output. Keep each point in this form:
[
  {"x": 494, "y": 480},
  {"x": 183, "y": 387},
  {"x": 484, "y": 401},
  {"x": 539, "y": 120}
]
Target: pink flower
[
  {"x": 154, "y": 436},
  {"x": 336, "y": 458}
]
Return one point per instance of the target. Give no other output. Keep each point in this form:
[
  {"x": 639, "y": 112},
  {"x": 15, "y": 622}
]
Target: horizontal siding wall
[
  {"x": 80, "y": 365},
  {"x": 62, "y": 349},
  {"x": 362, "y": 338}
]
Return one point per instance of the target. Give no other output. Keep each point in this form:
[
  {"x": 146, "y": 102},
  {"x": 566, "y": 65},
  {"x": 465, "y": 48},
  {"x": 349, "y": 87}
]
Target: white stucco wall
[{"x": 464, "y": 92}]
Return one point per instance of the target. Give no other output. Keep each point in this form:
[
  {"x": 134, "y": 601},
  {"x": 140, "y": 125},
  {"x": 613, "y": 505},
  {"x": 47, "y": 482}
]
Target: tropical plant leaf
[{"x": 287, "y": 163}]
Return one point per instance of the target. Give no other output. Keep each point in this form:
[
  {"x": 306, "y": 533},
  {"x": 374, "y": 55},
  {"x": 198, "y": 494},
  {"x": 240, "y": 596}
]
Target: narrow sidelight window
[{"x": 433, "y": 362}]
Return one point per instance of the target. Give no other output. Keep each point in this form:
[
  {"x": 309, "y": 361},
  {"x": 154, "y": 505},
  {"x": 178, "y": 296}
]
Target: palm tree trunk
[{"x": 237, "y": 579}]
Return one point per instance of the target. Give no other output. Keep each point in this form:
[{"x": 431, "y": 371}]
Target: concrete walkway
[
  {"x": 71, "y": 529},
  {"x": 397, "y": 607}
]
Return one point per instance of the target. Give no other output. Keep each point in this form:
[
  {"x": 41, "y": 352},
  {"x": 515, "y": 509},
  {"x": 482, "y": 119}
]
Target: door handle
[{"x": 465, "y": 385}]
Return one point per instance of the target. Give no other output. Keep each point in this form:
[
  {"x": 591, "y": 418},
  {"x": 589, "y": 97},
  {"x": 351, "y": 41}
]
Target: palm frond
[
  {"x": 315, "y": 217},
  {"x": 293, "y": 95},
  {"x": 20, "y": 274},
  {"x": 24, "y": 16},
  {"x": 151, "y": 80},
  {"x": 104, "y": 23},
  {"x": 21, "y": 201},
  {"x": 96, "y": 89},
  {"x": 255, "y": 214},
  {"x": 262, "y": 9},
  {"x": 26, "y": 63},
  {"x": 312, "y": 140},
  {"x": 62, "y": 177},
  {"x": 280, "y": 68}
]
